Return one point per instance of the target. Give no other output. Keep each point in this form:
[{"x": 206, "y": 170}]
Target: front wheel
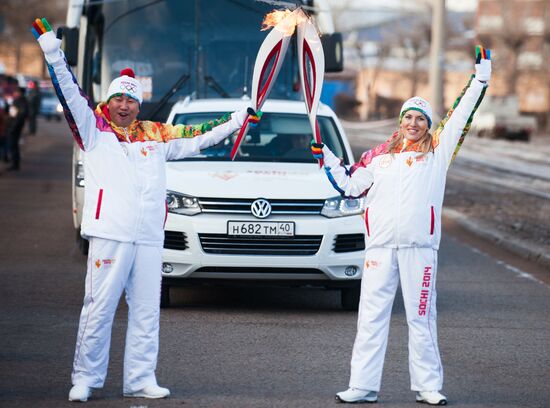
[
  {"x": 164, "y": 296},
  {"x": 350, "y": 298}
]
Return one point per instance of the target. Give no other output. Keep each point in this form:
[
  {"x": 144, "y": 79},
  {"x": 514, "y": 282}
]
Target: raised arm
[
  {"x": 189, "y": 140},
  {"x": 76, "y": 106},
  {"x": 350, "y": 182},
  {"x": 451, "y": 131}
]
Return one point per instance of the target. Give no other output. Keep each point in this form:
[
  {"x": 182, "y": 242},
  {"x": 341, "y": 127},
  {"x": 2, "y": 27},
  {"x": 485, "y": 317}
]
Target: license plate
[{"x": 261, "y": 228}]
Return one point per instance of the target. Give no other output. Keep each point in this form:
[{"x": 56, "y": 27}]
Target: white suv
[{"x": 269, "y": 216}]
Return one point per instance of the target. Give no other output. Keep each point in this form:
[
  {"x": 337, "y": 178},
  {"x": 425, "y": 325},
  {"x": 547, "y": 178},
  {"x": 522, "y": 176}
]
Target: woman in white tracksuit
[
  {"x": 123, "y": 218},
  {"x": 404, "y": 183}
]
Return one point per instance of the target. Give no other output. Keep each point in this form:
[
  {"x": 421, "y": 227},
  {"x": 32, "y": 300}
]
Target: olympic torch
[
  {"x": 268, "y": 63},
  {"x": 311, "y": 62}
]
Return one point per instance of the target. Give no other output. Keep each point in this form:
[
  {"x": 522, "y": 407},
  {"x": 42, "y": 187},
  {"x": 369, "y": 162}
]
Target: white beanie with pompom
[
  {"x": 126, "y": 84},
  {"x": 419, "y": 104}
]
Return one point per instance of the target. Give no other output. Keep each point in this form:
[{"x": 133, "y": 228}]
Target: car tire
[
  {"x": 350, "y": 298},
  {"x": 164, "y": 296},
  {"x": 524, "y": 136}
]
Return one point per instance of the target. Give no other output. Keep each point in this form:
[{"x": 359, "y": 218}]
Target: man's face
[{"x": 123, "y": 110}]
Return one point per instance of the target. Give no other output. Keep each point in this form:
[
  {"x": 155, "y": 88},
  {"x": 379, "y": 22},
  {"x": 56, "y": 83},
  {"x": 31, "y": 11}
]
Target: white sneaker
[
  {"x": 431, "y": 398},
  {"x": 80, "y": 393},
  {"x": 354, "y": 395},
  {"x": 151, "y": 391}
]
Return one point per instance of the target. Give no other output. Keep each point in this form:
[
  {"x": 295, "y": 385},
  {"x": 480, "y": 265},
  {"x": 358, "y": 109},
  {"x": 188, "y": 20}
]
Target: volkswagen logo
[{"x": 260, "y": 208}]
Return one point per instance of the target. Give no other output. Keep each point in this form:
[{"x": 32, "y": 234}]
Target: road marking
[{"x": 521, "y": 273}]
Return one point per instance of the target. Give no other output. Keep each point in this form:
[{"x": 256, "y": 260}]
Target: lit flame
[
  {"x": 273, "y": 18},
  {"x": 284, "y": 21}
]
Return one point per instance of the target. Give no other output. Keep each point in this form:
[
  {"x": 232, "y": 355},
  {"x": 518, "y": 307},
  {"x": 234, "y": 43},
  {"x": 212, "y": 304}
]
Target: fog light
[
  {"x": 351, "y": 270},
  {"x": 167, "y": 268}
]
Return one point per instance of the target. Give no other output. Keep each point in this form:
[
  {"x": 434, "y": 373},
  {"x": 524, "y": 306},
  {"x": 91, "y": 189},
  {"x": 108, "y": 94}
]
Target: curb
[{"x": 519, "y": 247}]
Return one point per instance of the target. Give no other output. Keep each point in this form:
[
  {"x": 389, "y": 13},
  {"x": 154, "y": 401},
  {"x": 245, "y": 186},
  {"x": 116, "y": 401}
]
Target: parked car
[
  {"x": 23, "y": 80},
  {"x": 270, "y": 216},
  {"x": 50, "y": 107},
  {"x": 499, "y": 117}
]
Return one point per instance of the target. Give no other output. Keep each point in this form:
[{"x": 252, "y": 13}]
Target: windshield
[
  {"x": 48, "y": 94},
  {"x": 161, "y": 40},
  {"x": 279, "y": 137}
]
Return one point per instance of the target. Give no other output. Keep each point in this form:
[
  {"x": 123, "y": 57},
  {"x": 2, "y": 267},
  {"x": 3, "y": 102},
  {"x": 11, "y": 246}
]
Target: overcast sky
[{"x": 462, "y": 5}]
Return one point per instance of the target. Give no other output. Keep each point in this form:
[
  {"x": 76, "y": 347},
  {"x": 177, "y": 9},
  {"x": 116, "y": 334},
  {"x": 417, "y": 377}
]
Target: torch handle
[
  {"x": 318, "y": 140},
  {"x": 240, "y": 136}
]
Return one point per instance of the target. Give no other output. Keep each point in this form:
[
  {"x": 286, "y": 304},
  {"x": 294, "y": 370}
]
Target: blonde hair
[{"x": 425, "y": 143}]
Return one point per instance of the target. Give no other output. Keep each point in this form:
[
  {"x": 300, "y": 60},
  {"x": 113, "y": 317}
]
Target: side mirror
[
  {"x": 70, "y": 44},
  {"x": 333, "y": 50}
]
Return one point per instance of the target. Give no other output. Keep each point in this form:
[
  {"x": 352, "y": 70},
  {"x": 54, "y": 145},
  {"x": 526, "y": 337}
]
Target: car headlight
[
  {"x": 59, "y": 108},
  {"x": 342, "y": 207},
  {"x": 182, "y": 204}
]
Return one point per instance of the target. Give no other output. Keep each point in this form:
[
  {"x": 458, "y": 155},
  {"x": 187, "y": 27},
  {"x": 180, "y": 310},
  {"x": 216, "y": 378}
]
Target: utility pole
[{"x": 437, "y": 56}]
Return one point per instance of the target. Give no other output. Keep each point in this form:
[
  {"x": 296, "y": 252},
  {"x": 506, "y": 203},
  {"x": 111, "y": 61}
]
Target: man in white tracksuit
[
  {"x": 404, "y": 183},
  {"x": 123, "y": 218}
]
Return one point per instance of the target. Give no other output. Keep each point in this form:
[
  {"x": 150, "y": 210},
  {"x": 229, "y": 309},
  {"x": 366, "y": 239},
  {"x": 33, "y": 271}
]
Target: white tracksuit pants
[
  {"x": 416, "y": 268},
  {"x": 114, "y": 267}
]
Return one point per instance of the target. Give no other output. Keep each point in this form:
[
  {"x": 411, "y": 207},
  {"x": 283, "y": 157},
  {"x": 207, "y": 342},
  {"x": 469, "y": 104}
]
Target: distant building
[
  {"x": 390, "y": 58},
  {"x": 516, "y": 32}
]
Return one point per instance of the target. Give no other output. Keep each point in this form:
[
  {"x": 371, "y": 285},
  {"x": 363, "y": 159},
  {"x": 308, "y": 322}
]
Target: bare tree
[
  {"x": 383, "y": 52},
  {"x": 338, "y": 10},
  {"x": 415, "y": 43},
  {"x": 18, "y": 16},
  {"x": 512, "y": 37}
]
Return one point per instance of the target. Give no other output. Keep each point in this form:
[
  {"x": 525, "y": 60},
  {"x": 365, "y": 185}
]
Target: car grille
[
  {"x": 227, "y": 244},
  {"x": 242, "y": 206},
  {"x": 232, "y": 269},
  {"x": 175, "y": 240},
  {"x": 349, "y": 243}
]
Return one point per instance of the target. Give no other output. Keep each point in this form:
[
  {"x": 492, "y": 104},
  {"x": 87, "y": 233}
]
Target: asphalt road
[{"x": 250, "y": 347}]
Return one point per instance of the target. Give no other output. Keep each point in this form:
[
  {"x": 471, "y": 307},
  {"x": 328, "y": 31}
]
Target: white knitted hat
[
  {"x": 126, "y": 84},
  {"x": 419, "y": 104}
]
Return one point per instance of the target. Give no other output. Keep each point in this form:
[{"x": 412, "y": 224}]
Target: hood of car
[
  {"x": 249, "y": 180},
  {"x": 49, "y": 101}
]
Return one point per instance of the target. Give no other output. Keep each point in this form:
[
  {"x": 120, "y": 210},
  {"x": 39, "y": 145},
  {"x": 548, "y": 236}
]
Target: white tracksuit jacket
[
  {"x": 125, "y": 195},
  {"x": 404, "y": 196},
  {"x": 405, "y": 190}
]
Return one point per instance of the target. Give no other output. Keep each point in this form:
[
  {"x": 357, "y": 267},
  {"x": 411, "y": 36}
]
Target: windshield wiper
[
  {"x": 130, "y": 12},
  {"x": 173, "y": 89},
  {"x": 212, "y": 83}
]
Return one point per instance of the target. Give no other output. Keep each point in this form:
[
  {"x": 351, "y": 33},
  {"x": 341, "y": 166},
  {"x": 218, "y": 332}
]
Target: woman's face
[{"x": 414, "y": 125}]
